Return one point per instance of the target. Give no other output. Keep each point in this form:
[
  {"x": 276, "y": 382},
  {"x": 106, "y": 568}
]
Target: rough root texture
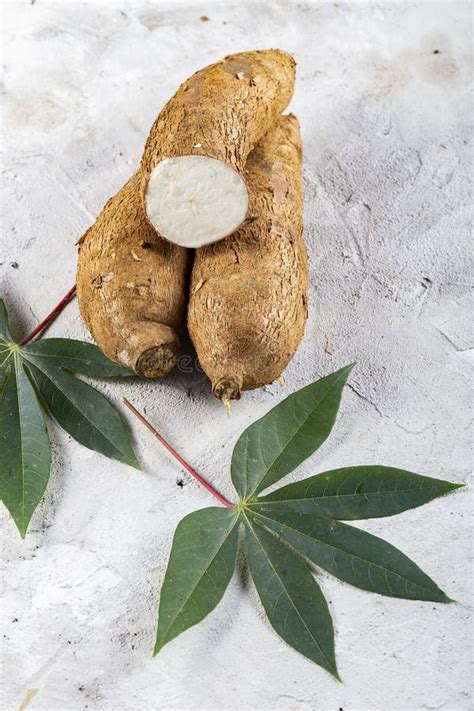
[
  {"x": 131, "y": 286},
  {"x": 221, "y": 112},
  {"x": 248, "y": 302}
]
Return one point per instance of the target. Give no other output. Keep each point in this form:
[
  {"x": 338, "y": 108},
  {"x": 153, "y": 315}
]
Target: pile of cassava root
[{"x": 211, "y": 224}]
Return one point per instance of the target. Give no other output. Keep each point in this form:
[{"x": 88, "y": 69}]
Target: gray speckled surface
[{"x": 382, "y": 97}]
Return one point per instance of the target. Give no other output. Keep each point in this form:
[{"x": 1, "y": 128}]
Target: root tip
[
  {"x": 157, "y": 361},
  {"x": 226, "y": 390},
  {"x": 227, "y": 404}
]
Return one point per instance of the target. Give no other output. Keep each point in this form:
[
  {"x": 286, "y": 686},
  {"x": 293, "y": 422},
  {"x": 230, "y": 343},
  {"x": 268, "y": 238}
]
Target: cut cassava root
[
  {"x": 248, "y": 300},
  {"x": 131, "y": 286},
  {"x": 193, "y": 180}
]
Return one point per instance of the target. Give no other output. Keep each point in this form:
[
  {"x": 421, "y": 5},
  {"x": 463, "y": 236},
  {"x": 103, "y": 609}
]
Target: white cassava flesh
[{"x": 195, "y": 200}]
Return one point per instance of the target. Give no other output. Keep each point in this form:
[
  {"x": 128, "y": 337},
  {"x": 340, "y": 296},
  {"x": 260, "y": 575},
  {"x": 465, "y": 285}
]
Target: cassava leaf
[
  {"x": 200, "y": 567},
  {"x": 352, "y": 555},
  {"x": 83, "y": 412},
  {"x": 40, "y": 374},
  {"x": 293, "y": 601},
  {"x": 357, "y": 492},
  {"x": 277, "y": 443},
  {"x": 25, "y": 456},
  {"x": 77, "y": 356},
  {"x": 295, "y": 526}
]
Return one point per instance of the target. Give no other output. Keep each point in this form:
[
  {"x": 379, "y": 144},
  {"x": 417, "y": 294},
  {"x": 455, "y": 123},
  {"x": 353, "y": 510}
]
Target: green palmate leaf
[
  {"x": 277, "y": 443},
  {"x": 77, "y": 356},
  {"x": 200, "y": 567},
  {"x": 83, "y": 412},
  {"x": 41, "y": 373},
  {"x": 357, "y": 492},
  {"x": 25, "y": 456},
  {"x": 293, "y": 601},
  {"x": 352, "y": 555},
  {"x": 294, "y": 527}
]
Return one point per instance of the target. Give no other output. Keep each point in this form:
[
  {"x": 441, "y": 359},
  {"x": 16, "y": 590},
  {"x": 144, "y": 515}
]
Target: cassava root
[
  {"x": 131, "y": 286},
  {"x": 248, "y": 297},
  {"x": 193, "y": 180}
]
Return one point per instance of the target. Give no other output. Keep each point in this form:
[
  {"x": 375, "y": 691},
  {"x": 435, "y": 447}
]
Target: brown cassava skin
[
  {"x": 248, "y": 301},
  {"x": 131, "y": 286},
  {"x": 224, "y": 109}
]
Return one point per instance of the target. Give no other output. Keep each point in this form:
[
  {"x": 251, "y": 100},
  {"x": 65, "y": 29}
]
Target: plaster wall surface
[{"x": 382, "y": 96}]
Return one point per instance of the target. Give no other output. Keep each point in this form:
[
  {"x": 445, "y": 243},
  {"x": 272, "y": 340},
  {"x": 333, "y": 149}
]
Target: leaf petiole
[
  {"x": 222, "y": 500},
  {"x": 50, "y": 317}
]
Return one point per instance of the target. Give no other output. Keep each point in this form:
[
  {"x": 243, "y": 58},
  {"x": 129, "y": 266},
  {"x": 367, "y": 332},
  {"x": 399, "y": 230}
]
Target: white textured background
[{"x": 382, "y": 96}]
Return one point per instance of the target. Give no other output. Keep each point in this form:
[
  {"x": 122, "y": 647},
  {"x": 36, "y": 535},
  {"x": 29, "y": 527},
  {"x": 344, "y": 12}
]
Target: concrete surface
[{"x": 382, "y": 96}]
